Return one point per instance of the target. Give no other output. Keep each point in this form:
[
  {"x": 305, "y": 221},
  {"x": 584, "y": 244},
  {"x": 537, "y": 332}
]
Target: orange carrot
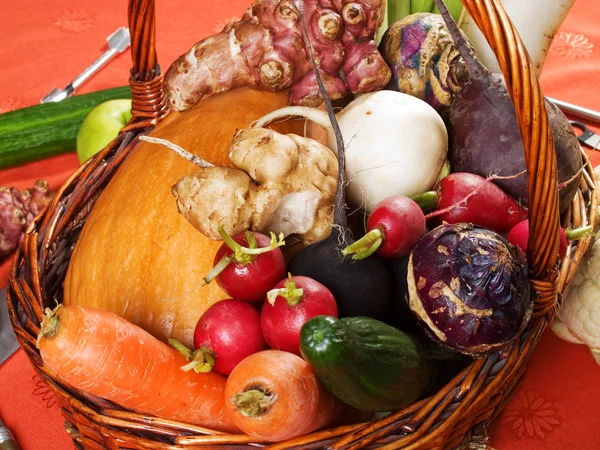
[
  {"x": 275, "y": 395},
  {"x": 103, "y": 354}
]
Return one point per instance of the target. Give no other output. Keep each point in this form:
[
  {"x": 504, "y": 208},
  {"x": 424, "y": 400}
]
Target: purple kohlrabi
[
  {"x": 424, "y": 59},
  {"x": 469, "y": 288}
]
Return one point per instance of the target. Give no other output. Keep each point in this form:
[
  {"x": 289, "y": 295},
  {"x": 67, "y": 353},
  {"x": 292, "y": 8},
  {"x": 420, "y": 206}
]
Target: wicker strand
[
  {"x": 142, "y": 16},
  {"x": 149, "y": 103}
]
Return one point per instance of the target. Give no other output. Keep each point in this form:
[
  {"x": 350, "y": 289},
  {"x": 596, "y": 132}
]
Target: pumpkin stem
[
  {"x": 253, "y": 402},
  {"x": 179, "y": 150}
]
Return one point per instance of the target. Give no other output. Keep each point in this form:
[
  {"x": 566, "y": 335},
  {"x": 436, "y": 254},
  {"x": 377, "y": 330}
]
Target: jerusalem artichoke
[
  {"x": 279, "y": 183},
  {"x": 265, "y": 49},
  {"x": 17, "y": 210}
]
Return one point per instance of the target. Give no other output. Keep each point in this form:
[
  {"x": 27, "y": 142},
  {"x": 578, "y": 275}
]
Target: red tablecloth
[{"x": 46, "y": 43}]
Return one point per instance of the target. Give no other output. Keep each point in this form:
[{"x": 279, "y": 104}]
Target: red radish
[
  {"x": 519, "y": 236},
  {"x": 248, "y": 265},
  {"x": 466, "y": 197},
  {"x": 227, "y": 332},
  {"x": 290, "y": 305},
  {"x": 394, "y": 227}
]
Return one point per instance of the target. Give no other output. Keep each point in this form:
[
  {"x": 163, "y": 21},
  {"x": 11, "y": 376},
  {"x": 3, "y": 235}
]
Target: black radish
[
  {"x": 361, "y": 288},
  {"x": 484, "y": 132}
]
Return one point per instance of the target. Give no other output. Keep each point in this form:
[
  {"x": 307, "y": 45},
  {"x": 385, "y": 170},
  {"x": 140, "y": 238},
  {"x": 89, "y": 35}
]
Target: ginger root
[
  {"x": 266, "y": 49},
  {"x": 279, "y": 183}
]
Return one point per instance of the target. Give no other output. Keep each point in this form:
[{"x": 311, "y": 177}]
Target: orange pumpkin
[{"x": 137, "y": 256}]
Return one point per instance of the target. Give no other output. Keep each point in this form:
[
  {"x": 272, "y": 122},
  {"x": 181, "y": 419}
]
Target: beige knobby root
[{"x": 280, "y": 183}]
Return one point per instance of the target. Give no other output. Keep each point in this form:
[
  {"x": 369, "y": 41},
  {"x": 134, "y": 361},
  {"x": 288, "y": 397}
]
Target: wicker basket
[{"x": 458, "y": 413}]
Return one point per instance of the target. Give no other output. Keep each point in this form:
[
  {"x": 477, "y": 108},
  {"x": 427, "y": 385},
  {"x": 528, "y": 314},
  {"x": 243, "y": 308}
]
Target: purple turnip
[
  {"x": 424, "y": 60},
  {"x": 469, "y": 288},
  {"x": 484, "y": 133}
]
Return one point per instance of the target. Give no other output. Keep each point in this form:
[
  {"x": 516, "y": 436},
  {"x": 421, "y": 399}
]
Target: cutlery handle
[
  {"x": 577, "y": 111},
  {"x": 7, "y": 441},
  {"x": 93, "y": 68}
]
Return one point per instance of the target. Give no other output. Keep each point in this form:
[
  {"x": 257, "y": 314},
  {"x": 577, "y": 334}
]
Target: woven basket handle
[
  {"x": 523, "y": 86},
  {"x": 149, "y": 104}
]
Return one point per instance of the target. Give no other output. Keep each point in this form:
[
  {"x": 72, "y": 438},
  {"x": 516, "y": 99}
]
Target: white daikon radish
[{"x": 537, "y": 21}]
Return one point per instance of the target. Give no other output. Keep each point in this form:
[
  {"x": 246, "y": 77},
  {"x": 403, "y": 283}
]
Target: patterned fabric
[{"x": 46, "y": 44}]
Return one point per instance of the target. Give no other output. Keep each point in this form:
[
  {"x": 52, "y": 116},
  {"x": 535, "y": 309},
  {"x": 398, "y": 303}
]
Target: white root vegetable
[
  {"x": 578, "y": 319},
  {"x": 279, "y": 183},
  {"x": 537, "y": 21},
  {"x": 395, "y": 144}
]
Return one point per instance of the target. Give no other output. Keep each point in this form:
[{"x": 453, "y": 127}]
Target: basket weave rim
[{"x": 464, "y": 407}]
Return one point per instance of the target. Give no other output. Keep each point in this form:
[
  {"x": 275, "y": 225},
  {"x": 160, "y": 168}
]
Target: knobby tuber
[
  {"x": 266, "y": 49},
  {"x": 280, "y": 183},
  {"x": 17, "y": 210}
]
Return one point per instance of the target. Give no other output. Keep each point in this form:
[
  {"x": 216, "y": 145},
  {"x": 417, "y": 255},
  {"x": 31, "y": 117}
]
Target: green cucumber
[
  {"x": 366, "y": 363},
  {"x": 48, "y": 129}
]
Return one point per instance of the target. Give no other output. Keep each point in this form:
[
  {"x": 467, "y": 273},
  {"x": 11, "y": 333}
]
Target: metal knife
[
  {"x": 587, "y": 137},
  {"x": 576, "y": 110},
  {"x": 7, "y": 440},
  {"x": 118, "y": 42},
  {"x": 8, "y": 341}
]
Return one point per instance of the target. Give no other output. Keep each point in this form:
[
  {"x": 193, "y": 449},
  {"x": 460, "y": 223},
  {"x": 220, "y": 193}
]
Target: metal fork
[{"x": 118, "y": 42}]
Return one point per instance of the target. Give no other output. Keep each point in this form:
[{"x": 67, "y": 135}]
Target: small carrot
[
  {"x": 103, "y": 354},
  {"x": 275, "y": 395}
]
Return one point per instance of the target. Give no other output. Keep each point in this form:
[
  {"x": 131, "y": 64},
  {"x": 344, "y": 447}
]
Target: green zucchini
[
  {"x": 48, "y": 129},
  {"x": 366, "y": 363}
]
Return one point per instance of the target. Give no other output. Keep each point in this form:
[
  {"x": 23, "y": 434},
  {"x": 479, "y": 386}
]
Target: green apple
[{"x": 101, "y": 126}]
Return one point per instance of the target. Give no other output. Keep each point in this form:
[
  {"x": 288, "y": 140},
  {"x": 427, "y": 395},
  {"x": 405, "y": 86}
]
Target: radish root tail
[{"x": 179, "y": 150}]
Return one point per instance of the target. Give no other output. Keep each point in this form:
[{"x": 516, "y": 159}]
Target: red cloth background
[{"x": 45, "y": 43}]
